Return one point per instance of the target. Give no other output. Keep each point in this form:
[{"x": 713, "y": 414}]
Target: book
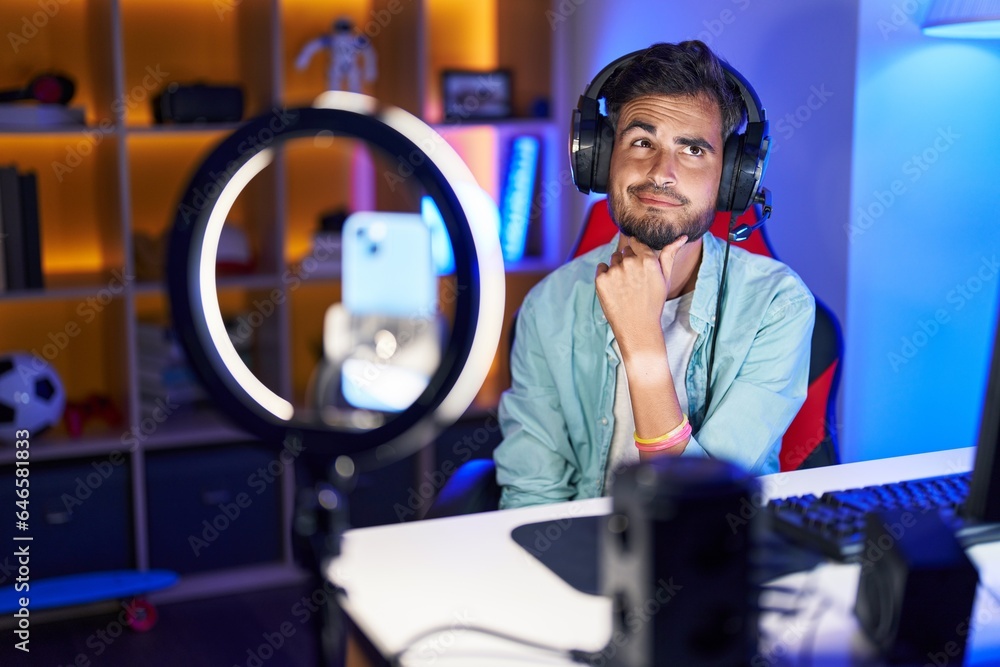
[
  {"x": 40, "y": 116},
  {"x": 10, "y": 211},
  {"x": 3, "y": 255},
  {"x": 32, "y": 233}
]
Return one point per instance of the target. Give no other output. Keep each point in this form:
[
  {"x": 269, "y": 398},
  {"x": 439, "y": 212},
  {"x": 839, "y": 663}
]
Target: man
[{"x": 611, "y": 350}]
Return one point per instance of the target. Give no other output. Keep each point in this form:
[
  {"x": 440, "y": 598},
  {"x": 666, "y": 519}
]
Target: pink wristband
[{"x": 666, "y": 443}]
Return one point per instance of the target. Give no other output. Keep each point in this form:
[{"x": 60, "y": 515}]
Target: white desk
[{"x": 405, "y": 579}]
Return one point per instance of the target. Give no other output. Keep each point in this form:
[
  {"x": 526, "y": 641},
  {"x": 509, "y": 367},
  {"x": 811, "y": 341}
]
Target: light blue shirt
[{"x": 557, "y": 419}]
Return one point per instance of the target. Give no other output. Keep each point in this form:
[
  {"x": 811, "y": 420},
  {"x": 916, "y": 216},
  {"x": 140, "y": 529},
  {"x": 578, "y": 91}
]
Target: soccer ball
[{"x": 31, "y": 395}]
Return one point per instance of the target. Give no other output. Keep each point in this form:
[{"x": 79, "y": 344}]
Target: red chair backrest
[{"x": 810, "y": 439}]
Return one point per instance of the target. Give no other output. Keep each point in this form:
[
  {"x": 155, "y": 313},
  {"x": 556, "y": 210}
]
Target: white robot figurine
[{"x": 346, "y": 48}]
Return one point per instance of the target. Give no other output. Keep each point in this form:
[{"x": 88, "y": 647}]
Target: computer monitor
[{"x": 983, "y": 502}]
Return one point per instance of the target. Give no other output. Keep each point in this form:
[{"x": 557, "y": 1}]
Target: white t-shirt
[{"x": 679, "y": 337}]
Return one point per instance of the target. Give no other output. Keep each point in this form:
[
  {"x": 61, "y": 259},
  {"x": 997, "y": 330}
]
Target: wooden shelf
[{"x": 114, "y": 184}]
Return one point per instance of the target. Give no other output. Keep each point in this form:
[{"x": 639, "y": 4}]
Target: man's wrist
[
  {"x": 651, "y": 352},
  {"x": 647, "y": 368}
]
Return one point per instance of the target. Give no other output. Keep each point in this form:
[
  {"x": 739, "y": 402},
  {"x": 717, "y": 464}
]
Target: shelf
[
  {"x": 213, "y": 584},
  {"x": 51, "y": 131},
  {"x": 227, "y": 282},
  {"x": 71, "y": 38},
  {"x": 78, "y": 188},
  {"x": 169, "y": 131},
  {"x": 81, "y": 339},
  {"x": 191, "y": 427},
  {"x": 520, "y": 125},
  {"x": 109, "y": 189},
  {"x": 192, "y": 41},
  {"x": 80, "y": 286},
  {"x": 97, "y": 441}
]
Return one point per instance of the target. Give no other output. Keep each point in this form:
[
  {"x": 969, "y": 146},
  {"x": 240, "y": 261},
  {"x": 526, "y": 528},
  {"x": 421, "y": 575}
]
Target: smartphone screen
[{"x": 387, "y": 266}]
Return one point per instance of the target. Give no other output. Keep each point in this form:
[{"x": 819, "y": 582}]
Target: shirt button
[
  {"x": 604, "y": 420},
  {"x": 611, "y": 357}
]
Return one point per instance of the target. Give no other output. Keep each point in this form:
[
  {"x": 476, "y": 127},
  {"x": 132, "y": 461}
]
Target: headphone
[
  {"x": 744, "y": 157},
  {"x": 49, "y": 88}
]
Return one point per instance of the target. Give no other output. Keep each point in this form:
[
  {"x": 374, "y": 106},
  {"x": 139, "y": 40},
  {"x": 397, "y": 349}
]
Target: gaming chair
[
  {"x": 809, "y": 442},
  {"x": 811, "y": 439}
]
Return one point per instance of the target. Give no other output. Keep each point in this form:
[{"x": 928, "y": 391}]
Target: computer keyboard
[{"x": 834, "y": 523}]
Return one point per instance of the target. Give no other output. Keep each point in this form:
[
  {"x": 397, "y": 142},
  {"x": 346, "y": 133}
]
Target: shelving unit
[{"x": 113, "y": 184}]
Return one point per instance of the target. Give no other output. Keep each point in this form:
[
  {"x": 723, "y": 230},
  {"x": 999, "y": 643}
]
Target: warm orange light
[
  {"x": 301, "y": 22},
  {"x": 460, "y": 35},
  {"x": 318, "y": 179},
  {"x": 160, "y": 166},
  {"x": 478, "y": 148},
  {"x": 77, "y": 197},
  {"x": 183, "y": 41}
]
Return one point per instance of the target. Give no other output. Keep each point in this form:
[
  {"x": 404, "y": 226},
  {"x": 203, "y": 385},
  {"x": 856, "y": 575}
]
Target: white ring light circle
[{"x": 199, "y": 281}]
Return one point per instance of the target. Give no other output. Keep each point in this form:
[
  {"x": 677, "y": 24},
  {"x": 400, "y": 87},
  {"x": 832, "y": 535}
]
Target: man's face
[{"x": 665, "y": 168}]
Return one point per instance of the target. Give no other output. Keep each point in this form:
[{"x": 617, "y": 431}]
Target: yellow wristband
[{"x": 666, "y": 436}]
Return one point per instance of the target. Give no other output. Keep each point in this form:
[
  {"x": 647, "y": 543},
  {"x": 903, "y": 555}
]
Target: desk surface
[{"x": 403, "y": 580}]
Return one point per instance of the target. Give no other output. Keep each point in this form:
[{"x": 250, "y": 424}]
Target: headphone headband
[{"x": 755, "y": 110}]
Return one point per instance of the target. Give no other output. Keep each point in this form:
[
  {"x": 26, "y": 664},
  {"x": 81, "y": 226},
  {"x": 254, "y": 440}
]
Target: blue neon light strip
[
  {"x": 515, "y": 213},
  {"x": 441, "y": 252}
]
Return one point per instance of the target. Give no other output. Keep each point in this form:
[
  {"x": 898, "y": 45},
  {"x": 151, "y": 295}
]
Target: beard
[{"x": 649, "y": 225}]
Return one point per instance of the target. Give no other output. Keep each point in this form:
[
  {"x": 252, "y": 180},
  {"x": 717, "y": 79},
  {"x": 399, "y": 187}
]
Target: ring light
[{"x": 470, "y": 217}]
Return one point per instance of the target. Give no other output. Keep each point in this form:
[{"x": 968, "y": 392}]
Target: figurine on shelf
[{"x": 346, "y": 49}]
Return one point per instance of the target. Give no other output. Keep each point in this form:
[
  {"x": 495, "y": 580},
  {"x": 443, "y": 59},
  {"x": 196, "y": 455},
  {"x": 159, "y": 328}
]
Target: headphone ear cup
[
  {"x": 731, "y": 155},
  {"x": 743, "y": 163},
  {"x": 586, "y": 118},
  {"x": 603, "y": 148}
]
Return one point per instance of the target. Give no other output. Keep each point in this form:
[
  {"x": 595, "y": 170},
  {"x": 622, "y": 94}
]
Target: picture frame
[{"x": 476, "y": 94}]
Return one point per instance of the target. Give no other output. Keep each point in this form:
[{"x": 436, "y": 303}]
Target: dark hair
[{"x": 685, "y": 69}]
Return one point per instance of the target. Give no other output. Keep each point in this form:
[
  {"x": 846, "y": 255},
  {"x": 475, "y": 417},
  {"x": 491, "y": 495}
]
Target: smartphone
[{"x": 387, "y": 266}]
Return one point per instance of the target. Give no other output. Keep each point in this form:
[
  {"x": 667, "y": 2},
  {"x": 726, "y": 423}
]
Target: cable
[
  {"x": 718, "y": 312},
  {"x": 585, "y": 657}
]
